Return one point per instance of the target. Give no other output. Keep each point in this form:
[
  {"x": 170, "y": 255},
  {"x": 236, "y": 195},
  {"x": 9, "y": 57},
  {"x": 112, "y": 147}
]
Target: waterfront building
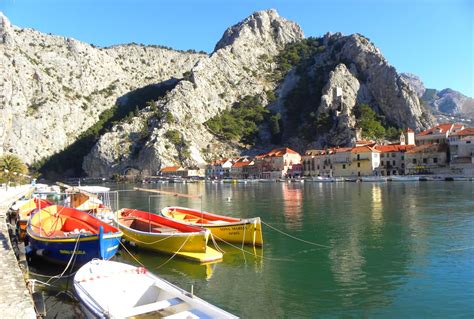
[
  {"x": 427, "y": 159},
  {"x": 312, "y": 162},
  {"x": 172, "y": 171},
  {"x": 219, "y": 169},
  {"x": 237, "y": 170},
  {"x": 461, "y": 152},
  {"x": 276, "y": 163},
  {"x": 365, "y": 161},
  {"x": 392, "y": 158},
  {"x": 438, "y": 134}
]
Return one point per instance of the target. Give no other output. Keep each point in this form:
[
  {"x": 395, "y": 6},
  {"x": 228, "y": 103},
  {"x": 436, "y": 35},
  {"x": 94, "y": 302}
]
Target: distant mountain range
[{"x": 446, "y": 103}]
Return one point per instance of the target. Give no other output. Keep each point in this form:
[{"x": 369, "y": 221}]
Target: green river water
[{"x": 392, "y": 250}]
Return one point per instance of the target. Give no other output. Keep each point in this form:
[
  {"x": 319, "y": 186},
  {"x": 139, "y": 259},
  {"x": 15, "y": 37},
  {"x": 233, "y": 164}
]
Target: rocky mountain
[
  {"x": 63, "y": 99},
  {"x": 343, "y": 73},
  {"x": 447, "y": 101},
  {"x": 234, "y": 69},
  {"x": 54, "y": 88}
]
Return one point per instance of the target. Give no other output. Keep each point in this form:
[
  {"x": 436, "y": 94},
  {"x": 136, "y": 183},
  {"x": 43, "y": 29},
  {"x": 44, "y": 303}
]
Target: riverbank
[{"x": 15, "y": 299}]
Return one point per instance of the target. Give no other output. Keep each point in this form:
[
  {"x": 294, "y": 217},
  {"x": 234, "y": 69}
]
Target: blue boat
[{"x": 63, "y": 235}]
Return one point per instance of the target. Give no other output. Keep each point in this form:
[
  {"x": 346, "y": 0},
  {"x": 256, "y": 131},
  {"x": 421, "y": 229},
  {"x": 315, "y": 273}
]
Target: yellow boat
[
  {"x": 153, "y": 232},
  {"x": 223, "y": 228}
]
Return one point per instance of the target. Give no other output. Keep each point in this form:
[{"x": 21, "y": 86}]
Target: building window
[
  {"x": 468, "y": 142},
  {"x": 393, "y": 154},
  {"x": 382, "y": 155},
  {"x": 358, "y": 164},
  {"x": 381, "y": 163},
  {"x": 403, "y": 165},
  {"x": 414, "y": 161},
  {"x": 393, "y": 163},
  {"x": 425, "y": 161},
  {"x": 403, "y": 157},
  {"x": 343, "y": 166},
  {"x": 318, "y": 167},
  {"x": 435, "y": 160},
  {"x": 394, "y": 172},
  {"x": 358, "y": 157},
  {"x": 330, "y": 166}
]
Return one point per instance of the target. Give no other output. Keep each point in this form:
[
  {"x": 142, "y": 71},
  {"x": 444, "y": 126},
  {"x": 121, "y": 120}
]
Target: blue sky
[{"x": 433, "y": 39}]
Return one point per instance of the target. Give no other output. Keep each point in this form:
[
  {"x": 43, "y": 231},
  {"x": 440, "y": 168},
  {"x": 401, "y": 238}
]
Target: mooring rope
[
  {"x": 69, "y": 262},
  {"x": 173, "y": 254},
  {"x": 296, "y": 238},
  {"x": 138, "y": 261},
  {"x": 255, "y": 255}
]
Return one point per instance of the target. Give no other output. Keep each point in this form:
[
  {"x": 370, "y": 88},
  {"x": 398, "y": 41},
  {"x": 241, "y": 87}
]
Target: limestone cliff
[
  {"x": 346, "y": 72},
  {"x": 54, "y": 88},
  {"x": 235, "y": 69}
]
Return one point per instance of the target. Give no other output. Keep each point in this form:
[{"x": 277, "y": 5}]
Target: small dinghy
[
  {"x": 224, "y": 228},
  {"x": 55, "y": 233},
  {"x": 153, "y": 232},
  {"x": 108, "y": 289}
]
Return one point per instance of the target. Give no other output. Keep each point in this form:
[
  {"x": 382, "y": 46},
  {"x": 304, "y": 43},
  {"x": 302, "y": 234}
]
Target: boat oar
[{"x": 166, "y": 193}]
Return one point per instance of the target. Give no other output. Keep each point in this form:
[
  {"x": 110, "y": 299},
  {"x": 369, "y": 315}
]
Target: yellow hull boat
[
  {"x": 228, "y": 229},
  {"x": 153, "y": 232}
]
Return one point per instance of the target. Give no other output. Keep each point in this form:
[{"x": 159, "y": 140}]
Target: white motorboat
[
  {"x": 374, "y": 179},
  {"x": 404, "y": 178},
  {"x": 109, "y": 289}
]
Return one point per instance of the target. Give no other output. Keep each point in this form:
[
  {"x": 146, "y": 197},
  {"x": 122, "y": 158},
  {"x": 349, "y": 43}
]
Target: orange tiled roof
[
  {"x": 394, "y": 148},
  {"x": 241, "y": 164},
  {"x": 278, "y": 152},
  {"x": 428, "y": 148},
  {"x": 170, "y": 169},
  {"x": 466, "y": 132},
  {"x": 363, "y": 149},
  {"x": 441, "y": 128}
]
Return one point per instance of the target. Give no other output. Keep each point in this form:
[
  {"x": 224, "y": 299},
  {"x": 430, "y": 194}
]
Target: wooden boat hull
[
  {"x": 144, "y": 234},
  {"x": 228, "y": 229},
  {"x": 89, "y": 247},
  {"x": 53, "y": 234},
  {"x": 108, "y": 289}
]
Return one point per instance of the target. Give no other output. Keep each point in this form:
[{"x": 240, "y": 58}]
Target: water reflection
[{"x": 292, "y": 205}]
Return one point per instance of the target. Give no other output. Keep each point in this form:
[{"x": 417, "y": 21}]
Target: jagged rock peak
[
  {"x": 414, "y": 82},
  {"x": 261, "y": 26},
  {"x": 4, "y": 26}
]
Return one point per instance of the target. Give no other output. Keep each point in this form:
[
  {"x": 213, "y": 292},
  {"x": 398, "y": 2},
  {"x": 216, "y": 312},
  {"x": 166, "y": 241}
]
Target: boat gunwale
[
  {"x": 242, "y": 221},
  {"x": 177, "y": 234}
]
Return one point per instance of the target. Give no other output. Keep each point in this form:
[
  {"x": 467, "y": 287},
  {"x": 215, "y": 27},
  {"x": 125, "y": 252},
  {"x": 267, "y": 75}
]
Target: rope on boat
[
  {"x": 219, "y": 249},
  {"x": 158, "y": 267},
  {"x": 73, "y": 255},
  {"x": 172, "y": 256},
  {"x": 138, "y": 261},
  {"x": 255, "y": 255},
  {"x": 296, "y": 238}
]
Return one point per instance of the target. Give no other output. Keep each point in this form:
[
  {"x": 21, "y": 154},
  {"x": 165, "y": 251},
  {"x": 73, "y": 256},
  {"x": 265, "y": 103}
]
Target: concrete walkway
[{"x": 15, "y": 299}]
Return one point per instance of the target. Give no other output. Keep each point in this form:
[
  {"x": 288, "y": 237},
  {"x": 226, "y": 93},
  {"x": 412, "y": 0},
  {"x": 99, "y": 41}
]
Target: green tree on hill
[{"x": 369, "y": 123}]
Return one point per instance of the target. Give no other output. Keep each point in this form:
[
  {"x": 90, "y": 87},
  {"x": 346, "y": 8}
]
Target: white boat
[
  {"x": 402, "y": 178},
  {"x": 109, "y": 289},
  {"x": 376, "y": 179},
  {"x": 267, "y": 180},
  {"x": 322, "y": 179}
]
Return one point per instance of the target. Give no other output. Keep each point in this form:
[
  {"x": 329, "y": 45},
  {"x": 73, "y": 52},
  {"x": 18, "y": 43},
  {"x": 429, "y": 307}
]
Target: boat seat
[
  {"x": 188, "y": 314},
  {"x": 151, "y": 307},
  {"x": 164, "y": 230}
]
